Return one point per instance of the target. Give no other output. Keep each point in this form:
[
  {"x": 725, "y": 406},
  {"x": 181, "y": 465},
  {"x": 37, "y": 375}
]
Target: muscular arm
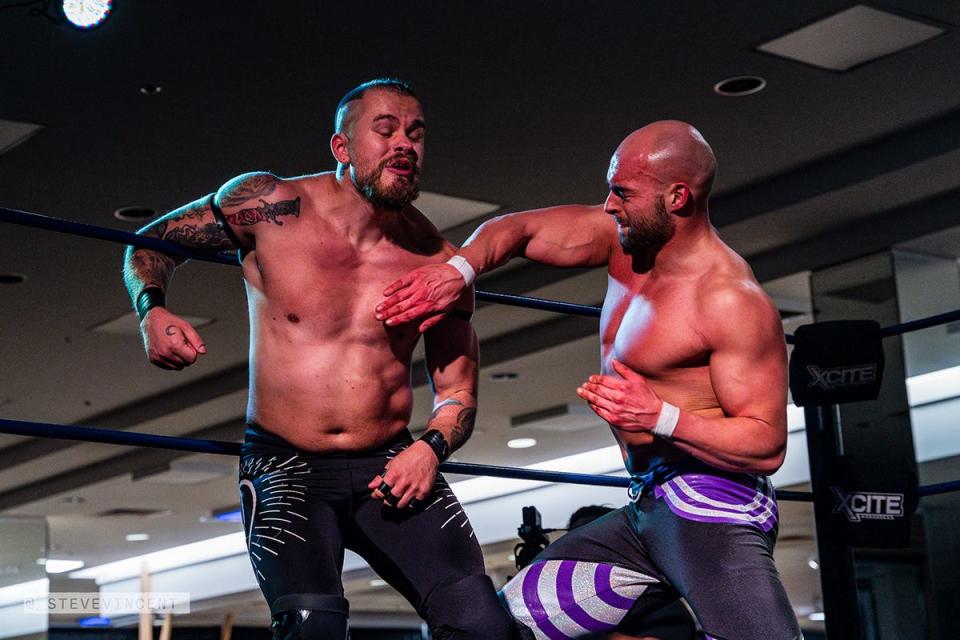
[
  {"x": 568, "y": 236},
  {"x": 748, "y": 370},
  {"x": 452, "y": 356}
]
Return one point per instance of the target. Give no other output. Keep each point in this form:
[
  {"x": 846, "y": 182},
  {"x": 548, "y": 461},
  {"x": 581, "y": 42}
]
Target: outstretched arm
[{"x": 568, "y": 236}]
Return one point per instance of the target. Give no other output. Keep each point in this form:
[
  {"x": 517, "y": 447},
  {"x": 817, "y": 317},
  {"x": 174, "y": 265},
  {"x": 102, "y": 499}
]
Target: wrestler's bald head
[{"x": 669, "y": 151}]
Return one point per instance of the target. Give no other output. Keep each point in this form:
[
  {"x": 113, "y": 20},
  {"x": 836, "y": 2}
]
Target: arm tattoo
[
  {"x": 463, "y": 426},
  {"x": 463, "y": 429},
  {"x": 269, "y": 211},
  {"x": 256, "y": 186},
  {"x": 207, "y": 236}
]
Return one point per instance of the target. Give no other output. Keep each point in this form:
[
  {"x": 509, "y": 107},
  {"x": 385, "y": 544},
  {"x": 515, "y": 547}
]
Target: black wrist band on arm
[
  {"x": 148, "y": 299},
  {"x": 437, "y": 442}
]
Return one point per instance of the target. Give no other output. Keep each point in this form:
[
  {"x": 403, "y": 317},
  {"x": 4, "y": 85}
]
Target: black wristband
[
  {"x": 437, "y": 442},
  {"x": 148, "y": 299}
]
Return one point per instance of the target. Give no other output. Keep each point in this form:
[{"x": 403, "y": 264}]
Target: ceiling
[{"x": 525, "y": 102}]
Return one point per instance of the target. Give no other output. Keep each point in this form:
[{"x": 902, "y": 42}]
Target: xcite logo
[
  {"x": 829, "y": 379},
  {"x": 857, "y": 505}
]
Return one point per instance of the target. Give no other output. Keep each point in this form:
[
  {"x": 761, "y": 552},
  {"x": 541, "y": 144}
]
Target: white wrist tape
[
  {"x": 460, "y": 264},
  {"x": 667, "y": 420}
]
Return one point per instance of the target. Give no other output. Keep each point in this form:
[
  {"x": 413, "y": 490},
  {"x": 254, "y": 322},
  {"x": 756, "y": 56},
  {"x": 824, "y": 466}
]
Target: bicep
[
  {"x": 569, "y": 236},
  {"x": 748, "y": 367},
  {"x": 192, "y": 226}
]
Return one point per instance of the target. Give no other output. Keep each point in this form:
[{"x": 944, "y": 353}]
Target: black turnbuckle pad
[{"x": 836, "y": 362}]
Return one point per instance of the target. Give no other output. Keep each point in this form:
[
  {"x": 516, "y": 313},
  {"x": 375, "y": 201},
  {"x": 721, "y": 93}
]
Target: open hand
[
  {"x": 427, "y": 292},
  {"x": 410, "y": 476},
  {"x": 625, "y": 401},
  {"x": 169, "y": 340}
]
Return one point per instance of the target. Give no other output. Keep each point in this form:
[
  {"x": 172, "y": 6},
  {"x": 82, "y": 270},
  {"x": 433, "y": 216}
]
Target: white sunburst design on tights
[
  {"x": 272, "y": 512},
  {"x": 442, "y": 497}
]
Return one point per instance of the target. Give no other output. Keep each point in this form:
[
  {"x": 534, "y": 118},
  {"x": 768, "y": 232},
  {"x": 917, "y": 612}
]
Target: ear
[
  {"x": 339, "y": 146},
  {"x": 680, "y": 196}
]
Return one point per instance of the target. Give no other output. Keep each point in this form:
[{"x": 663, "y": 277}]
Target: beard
[
  {"x": 393, "y": 197},
  {"x": 653, "y": 233}
]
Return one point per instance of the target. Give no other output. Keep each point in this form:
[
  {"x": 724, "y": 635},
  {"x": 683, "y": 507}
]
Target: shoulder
[{"x": 733, "y": 304}]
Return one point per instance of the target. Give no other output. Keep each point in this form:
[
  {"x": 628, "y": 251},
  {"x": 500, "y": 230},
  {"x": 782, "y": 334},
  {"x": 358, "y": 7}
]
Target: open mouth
[{"x": 401, "y": 167}]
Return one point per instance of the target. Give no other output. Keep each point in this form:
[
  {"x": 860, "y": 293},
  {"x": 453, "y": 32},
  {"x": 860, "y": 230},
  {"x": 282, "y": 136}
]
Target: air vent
[
  {"x": 563, "y": 418},
  {"x": 850, "y": 38}
]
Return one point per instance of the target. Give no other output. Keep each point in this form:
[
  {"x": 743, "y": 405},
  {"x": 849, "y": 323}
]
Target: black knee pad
[
  {"x": 309, "y": 616},
  {"x": 468, "y": 609}
]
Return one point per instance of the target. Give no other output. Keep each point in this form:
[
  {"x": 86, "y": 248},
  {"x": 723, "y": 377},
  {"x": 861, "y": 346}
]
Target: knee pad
[
  {"x": 467, "y": 609},
  {"x": 309, "y": 616}
]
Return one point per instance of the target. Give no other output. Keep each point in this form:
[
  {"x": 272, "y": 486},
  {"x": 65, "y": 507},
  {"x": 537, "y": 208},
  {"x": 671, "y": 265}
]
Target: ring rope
[
  {"x": 111, "y": 436},
  {"x": 222, "y": 447}
]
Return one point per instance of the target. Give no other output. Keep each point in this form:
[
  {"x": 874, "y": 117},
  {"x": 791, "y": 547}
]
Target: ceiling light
[
  {"x": 150, "y": 89},
  {"x": 816, "y": 616},
  {"x": 62, "y": 566},
  {"x": 134, "y": 213},
  {"x": 522, "y": 443},
  {"x": 12, "y": 278},
  {"x": 137, "y": 537},
  {"x": 86, "y": 14},
  {"x": 813, "y": 562},
  {"x": 852, "y": 37},
  {"x": 740, "y": 86},
  {"x": 377, "y": 582}
]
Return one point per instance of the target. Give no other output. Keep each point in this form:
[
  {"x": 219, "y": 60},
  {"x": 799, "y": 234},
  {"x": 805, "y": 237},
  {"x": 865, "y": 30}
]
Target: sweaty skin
[
  {"x": 684, "y": 320},
  {"x": 324, "y": 374}
]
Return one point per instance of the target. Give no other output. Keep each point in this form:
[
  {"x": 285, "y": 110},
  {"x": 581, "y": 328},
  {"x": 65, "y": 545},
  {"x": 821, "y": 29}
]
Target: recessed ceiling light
[
  {"x": 137, "y": 537},
  {"x": 740, "y": 86},
  {"x": 521, "y": 443},
  {"x": 134, "y": 214},
  {"x": 816, "y": 616},
  {"x": 377, "y": 582},
  {"x": 12, "y": 278},
  {"x": 504, "y": 375},
  {"x": 150, "y": 89},
  {"x": 86, "y": 14}
]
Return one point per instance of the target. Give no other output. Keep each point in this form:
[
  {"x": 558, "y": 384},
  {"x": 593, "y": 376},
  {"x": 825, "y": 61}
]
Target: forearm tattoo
[
  {"x": 462, "y": 428},
  {"x": 269, "y": 211}
]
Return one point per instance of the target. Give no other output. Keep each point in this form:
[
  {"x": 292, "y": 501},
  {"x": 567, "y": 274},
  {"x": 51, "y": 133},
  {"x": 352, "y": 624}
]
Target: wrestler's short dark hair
[{"x": 390, "y": 84}]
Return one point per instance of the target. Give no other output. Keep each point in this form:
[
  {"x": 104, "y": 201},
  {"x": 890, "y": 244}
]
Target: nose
[{"x": 612, "y": 204}]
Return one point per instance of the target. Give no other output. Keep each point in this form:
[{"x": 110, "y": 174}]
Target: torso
[
  {"x": 325, "y": 374},
  {"x": 650, "y": 323}
]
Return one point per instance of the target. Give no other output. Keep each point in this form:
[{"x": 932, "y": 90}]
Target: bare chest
[
  {"x": 323, "y": 282},
  {"x": 652, "y": 330}
]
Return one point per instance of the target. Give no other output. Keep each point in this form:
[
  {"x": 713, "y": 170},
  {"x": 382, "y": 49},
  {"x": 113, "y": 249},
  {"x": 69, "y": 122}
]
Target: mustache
[{"x": 409, "y": 157}]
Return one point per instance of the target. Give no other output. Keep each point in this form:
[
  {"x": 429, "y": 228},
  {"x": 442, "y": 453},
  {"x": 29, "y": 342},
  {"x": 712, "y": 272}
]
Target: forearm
[
  {"x": 494, "y": 243},
  {"x": 144, "y": 268},
  {"x": 738, "y": 444},
  {"x": 453, "y": 416}
]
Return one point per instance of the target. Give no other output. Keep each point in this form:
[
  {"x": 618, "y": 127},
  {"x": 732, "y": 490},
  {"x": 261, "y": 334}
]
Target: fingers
[
  {"x": 430, "y": 323},
  {"x": 625, "y": 371},
  {"x": 393, "y": 288},
  {"x": 612, "y": 392},
  {"x": 193, "y": 338},
  {"x": 596, "y": 400}
]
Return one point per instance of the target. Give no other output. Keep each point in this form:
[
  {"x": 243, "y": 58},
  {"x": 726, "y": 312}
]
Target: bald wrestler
[
  {"x": 693, "y": 385},
  {"x": 328, "y": 462}
]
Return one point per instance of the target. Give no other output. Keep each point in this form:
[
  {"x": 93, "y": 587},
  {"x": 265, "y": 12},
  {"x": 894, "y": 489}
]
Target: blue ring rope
[
  {"x": 222, "y": 447},
  {"x": 110, "y": 436}
]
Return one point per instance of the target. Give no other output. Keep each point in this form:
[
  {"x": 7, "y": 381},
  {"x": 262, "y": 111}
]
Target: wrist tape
[
  {"x": 148, "y": 299},
  {"x": 667, "y": 420},
  {"x": 466, "y": 270}
]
